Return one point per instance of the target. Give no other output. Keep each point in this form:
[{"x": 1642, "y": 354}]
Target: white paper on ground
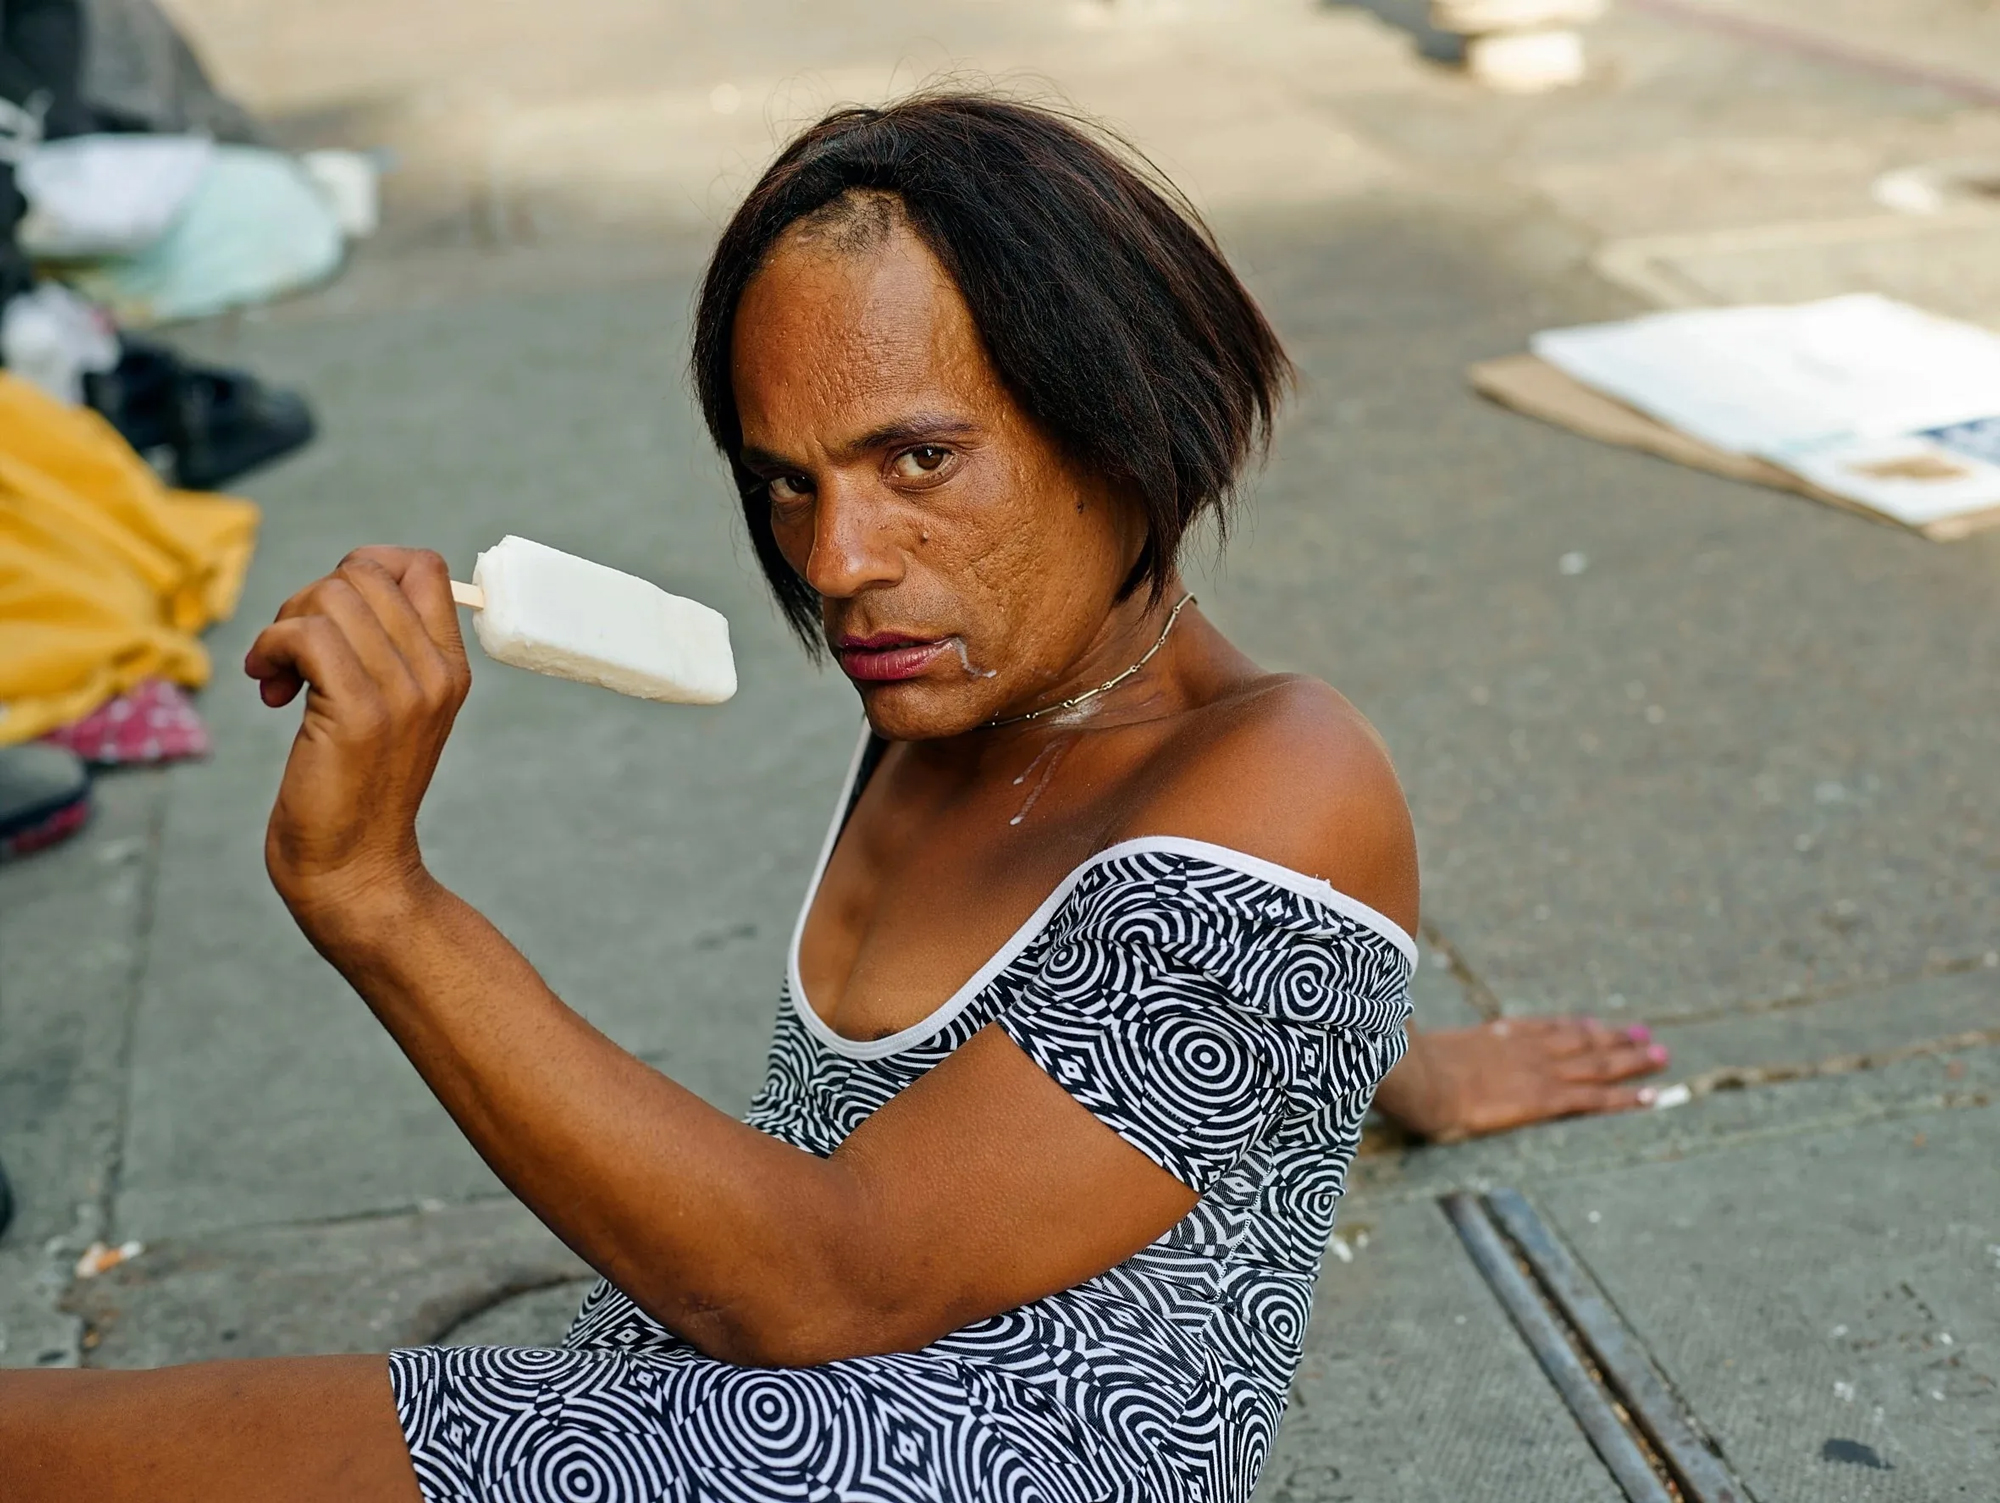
[
  {"x": 1839, "y": 391},
  {"x": 1762, "y": 380},
  {"x": 1980, "y": 439},
  {"x": 1912, "y": 478}
]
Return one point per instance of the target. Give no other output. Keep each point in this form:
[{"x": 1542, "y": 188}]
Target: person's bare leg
[
  {"x": 1461, "y": 1082},
  {"x": 300, "y": 1430}
]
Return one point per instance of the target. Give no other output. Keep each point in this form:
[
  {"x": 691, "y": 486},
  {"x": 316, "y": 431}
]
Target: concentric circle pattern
[{"x": 1230, "y": 1026}]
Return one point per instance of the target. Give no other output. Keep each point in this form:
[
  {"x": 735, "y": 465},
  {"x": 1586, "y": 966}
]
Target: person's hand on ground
[
  {"x": 376, "y": 646},
  {"x": 1461, "y": 1083}
]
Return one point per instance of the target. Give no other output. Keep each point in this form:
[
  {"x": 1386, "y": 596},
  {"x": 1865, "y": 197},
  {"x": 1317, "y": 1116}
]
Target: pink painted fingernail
[
  {"x": 1657, "y": 1053},
  {"x": 1639, "y": 1033},
  {"x": 1648, "y": 1095}
]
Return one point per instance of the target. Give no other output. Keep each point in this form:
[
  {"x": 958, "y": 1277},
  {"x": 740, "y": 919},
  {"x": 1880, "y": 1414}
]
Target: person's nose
[{"x": 854, "y": 545}]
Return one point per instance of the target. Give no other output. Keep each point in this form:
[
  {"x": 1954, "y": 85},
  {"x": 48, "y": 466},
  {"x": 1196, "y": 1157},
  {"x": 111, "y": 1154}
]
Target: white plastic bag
[
  {"x": 107, "y": 195},
  {"x": 349, "y": 181},
  {"x": 256, "y": 229},
  {"x": 51, "y": 338}
]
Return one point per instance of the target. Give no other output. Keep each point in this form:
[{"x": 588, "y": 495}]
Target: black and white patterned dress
[{"x": 1228, "y": 1017}]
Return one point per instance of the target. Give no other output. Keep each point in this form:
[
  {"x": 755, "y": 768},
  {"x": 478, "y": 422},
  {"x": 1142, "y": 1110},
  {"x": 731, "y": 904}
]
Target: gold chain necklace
[{"x": 1110, "y": 683}]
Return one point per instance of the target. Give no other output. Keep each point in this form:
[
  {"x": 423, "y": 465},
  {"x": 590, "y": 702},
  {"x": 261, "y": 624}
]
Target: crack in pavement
[
  {"x": 1742, "y": 1077},
  {"x": 1756, "y": 1006},
  {"x": 1482, "y": 997}
]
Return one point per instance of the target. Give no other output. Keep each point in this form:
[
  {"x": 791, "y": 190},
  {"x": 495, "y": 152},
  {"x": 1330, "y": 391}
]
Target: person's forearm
[{"x": 716, "y": 1229}]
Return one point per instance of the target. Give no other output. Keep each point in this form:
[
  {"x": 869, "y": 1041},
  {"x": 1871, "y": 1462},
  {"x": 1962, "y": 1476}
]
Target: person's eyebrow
[{"x": 916, "y": 429}]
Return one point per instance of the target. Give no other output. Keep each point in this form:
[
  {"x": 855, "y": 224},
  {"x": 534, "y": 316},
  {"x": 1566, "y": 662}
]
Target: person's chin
[{"x": 919, "y": 709}]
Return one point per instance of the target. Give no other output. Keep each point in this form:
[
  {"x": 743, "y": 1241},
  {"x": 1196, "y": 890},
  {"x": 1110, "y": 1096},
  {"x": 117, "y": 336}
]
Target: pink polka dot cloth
[{"x": 152, "y": 722}]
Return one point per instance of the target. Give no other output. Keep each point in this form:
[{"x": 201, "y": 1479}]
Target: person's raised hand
[{"x": 375, "y": 645}]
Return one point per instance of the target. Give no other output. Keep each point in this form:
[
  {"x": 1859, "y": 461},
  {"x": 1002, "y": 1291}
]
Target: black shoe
[
  {"x": 44, "y": 797},
  {"x": 140, "y": 398},
  {"x": 199, "y": 426},
  {"x": 6, "y": 1201},
  {"x": 233, "y": 424}
]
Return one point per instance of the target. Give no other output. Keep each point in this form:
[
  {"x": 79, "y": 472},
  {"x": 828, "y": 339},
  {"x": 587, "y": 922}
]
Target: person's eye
[
  {"x": 788, "y": 490},
  {"x": 922, "y": 462}
]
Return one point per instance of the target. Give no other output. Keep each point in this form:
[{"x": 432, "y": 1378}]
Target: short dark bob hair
[{"x": 1105, "y": 306}]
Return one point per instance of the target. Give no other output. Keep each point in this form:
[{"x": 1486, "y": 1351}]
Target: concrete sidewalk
[{"x": 1734, "y": 776}]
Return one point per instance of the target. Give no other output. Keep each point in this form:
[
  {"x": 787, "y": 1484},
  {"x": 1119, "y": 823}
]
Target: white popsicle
[{"x": 551, "y": 612}]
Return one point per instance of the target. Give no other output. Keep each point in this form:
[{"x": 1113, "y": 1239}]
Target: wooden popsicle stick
[{"x": 468, "y": 595}]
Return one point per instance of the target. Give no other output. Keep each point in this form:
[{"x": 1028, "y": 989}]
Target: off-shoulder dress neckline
[{"x": 1314, "y": 889}]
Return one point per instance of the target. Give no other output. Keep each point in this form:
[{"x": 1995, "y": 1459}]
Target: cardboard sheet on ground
[
  {"x": 1530, "y": 385},
  {"x": 1860, "y": 401}
]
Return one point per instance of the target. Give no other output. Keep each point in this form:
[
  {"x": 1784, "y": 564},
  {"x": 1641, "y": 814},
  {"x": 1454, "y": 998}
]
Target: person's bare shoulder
[{"x": 1287, "y": 770}]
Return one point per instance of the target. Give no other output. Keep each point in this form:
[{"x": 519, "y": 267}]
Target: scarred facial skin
[{"x": 967, "y": 569}]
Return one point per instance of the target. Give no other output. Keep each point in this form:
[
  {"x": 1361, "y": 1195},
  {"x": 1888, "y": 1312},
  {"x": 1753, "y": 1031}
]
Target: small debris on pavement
[
  {"x": 1671, "y": 1096},
  {"x": 99, "y": 1258},
  {"x": 1853, "y": 1453}
]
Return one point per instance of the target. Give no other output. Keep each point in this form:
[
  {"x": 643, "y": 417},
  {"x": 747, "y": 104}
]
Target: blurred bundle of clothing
[
  {"x": 132, "y": 192},
  {"x": 80, "y": 67},
  {"x": 113, "y": 140},
  {"x": 111, "y": 560},
  {"x": 106, "y": 578}
]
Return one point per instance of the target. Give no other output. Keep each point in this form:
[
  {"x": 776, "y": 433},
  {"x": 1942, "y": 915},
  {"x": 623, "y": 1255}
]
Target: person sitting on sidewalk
[{"x": 1106, "y": 954}]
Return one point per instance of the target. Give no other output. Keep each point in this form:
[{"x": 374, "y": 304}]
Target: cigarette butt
[{"x": 98, "y": 1258}]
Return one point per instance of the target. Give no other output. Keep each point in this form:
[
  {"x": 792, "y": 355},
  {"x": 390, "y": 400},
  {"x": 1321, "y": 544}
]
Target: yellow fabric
[{"x": 105, "y": 574}]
